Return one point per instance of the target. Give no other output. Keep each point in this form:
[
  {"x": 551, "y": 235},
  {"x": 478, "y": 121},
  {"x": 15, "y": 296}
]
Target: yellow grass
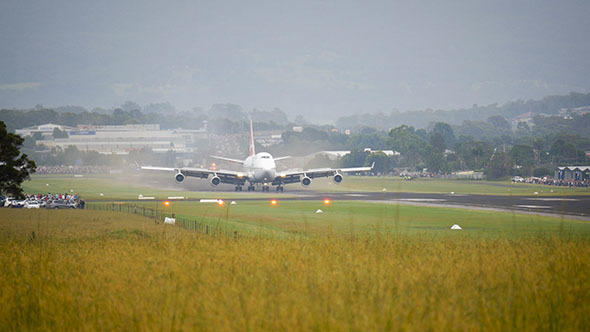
[{"x": 93, "y": 270}]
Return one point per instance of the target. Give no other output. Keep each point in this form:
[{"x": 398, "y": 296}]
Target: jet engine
[
  {"x": 179, "y": 177},
  {"x": 305, "y": 182},
  {"x": 337, "y": 178},
  {"x": 215, "y": 181}
]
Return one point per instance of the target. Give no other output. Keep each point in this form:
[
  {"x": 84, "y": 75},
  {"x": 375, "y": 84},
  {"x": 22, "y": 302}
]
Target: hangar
[{"x": 578, "y": 173}]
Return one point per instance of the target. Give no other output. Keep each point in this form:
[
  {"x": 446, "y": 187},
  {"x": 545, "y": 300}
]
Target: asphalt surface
[
  {"x": 556, "y": 205},
  {"x": 571, "y": 206}
]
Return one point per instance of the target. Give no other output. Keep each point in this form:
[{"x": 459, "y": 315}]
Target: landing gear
[
  {"x": 265, "y": 188},
  {"x": 280, "y": 189},
  {"x": 251, "y": 188},
  {"x": 238, "y": 188}
]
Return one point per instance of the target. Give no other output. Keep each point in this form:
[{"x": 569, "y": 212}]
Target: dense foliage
[{"x": 15, "y": 167}]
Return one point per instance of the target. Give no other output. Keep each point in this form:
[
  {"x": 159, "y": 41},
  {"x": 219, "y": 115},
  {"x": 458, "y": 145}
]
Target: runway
[
  {"x": 573, "y": 207},
  {"x": 577, "y": 207},
  {"x": 550, "y": 205}
]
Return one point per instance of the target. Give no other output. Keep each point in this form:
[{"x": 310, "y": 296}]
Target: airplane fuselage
[{"x": 261, "y": 168}]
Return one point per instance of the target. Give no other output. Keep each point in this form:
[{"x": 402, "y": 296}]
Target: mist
[{"x": 319, "y": 59}]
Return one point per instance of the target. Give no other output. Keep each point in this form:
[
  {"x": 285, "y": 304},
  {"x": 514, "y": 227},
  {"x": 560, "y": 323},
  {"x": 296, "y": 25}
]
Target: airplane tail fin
[{"x": 252, "y": 151}]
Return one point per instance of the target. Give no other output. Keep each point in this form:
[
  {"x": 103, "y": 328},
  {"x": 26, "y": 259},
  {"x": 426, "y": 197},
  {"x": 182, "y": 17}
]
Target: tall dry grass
[{"x": 121, "y": 272}]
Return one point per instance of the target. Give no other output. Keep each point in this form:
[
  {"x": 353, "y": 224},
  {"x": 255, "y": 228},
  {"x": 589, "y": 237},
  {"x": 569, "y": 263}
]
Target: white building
[
  {"x": 45, "y": 130},
  {"x": 123, "y": 139}
]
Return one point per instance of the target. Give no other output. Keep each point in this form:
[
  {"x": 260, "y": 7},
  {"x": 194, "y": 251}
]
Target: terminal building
[
  {"x": 577, "y": 173},
  {"x": 120, "y": 139}
]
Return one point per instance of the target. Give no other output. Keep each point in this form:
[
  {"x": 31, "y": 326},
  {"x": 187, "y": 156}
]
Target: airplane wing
[
  {"x": 282, "y": 158},
  {"x": 225, "y": 176},
  {"x": 297, "y": 175},
  {"x": 237, "y": 161}
]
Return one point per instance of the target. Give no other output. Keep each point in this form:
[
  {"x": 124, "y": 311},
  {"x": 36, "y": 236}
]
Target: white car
[
  {"x": 32, "y": 205},
  {"x": 17, "y": 203},
  {"x": 517, "y": 179}
]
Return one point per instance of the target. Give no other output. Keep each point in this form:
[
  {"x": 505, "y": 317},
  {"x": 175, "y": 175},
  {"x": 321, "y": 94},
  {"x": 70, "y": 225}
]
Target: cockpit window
[{"x": 265, "y": 157}]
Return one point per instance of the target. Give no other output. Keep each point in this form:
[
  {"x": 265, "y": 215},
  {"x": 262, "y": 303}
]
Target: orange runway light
[
  {"x": 166, "y": 203},
  {"x": 327, "y": 201},
  {"x": 220, "y": 202},
  {"x": 273, "y": 202}
]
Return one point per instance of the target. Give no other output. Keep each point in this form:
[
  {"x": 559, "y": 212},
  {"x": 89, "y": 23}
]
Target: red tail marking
[{"x": 252, "y": 151}]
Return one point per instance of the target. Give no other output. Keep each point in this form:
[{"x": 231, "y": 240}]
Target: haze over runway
[{"x": 321, "y": 59}]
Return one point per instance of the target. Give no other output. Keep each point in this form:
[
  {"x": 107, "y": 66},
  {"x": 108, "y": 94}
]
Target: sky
[{"x": 320, "y": 59}]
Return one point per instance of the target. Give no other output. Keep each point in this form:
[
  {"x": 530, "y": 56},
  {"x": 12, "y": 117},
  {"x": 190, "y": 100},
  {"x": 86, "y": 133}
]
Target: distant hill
[{"x": 551, "y": 105}]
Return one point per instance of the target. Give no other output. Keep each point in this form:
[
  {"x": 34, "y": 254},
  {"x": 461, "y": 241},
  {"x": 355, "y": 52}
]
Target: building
[
  {"x": 267, "y": 138},
  {"x": 123, "y": 139},
  {"x": 578, "y": 173},
  {"x": 45, "y": 130},
  {"x": 524, "y": 117}
]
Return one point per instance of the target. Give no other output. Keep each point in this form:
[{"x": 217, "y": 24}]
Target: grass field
[
  {"x": 93, "y": 270},
  {"x": 431, "y": 185},
  {"x": 117, "y": 187},
  {"x": 354, "y": 217},
  {"x": 356, "y": 266},
  {"x": 130, "y": 186}
]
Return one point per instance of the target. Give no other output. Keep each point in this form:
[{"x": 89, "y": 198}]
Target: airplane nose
[
  {"x": 269, "y": 175},
  {"x": 266, "y": 175}
]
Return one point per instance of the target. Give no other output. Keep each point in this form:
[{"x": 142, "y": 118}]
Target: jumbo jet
[{"x": 258, "y": 169}]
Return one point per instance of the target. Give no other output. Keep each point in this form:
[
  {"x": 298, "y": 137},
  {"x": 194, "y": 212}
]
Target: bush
[{"x": 541, "y": 172}]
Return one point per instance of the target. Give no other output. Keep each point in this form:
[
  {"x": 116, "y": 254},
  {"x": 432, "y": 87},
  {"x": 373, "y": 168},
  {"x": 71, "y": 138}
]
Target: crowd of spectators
[
  {"x": 554, "y": 182},
  {"x": 72, "y": 200},
  {"x": 50, "y": 197},
  {"x": 73, "y": 169}
]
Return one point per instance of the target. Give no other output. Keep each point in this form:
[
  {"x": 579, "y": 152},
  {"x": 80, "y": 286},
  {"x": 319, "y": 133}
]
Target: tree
[
  {"x": 437, "y": 141},
  {"x": 522, "y": 155},
  {"x": 411, "y": 146},
  {"x": 499, "y": 122},
  {"x": 499, "y": 166},
  {"x": 57, "y": 133},
  {"x": 355, "y": 158},
  {"x": 446, "y": 131},
  {"x": 382, "y": 162},
  {"x": 14, "y": 166}
]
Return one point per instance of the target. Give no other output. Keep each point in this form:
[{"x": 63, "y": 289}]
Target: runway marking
[
  {"x": 534, "y": 206},
  {"x": 550, "y": 199},
  {"x": 422, "y": 199},
  {"x": 356, "y": 195}
]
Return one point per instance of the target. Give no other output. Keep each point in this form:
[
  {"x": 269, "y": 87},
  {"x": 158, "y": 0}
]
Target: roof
[{"x": 574, "y": 168}]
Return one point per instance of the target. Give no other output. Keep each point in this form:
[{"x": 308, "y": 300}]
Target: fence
[{"x": 158, "y": 217}]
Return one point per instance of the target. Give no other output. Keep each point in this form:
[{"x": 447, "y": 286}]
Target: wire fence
[{"x": 159, "y": 216}]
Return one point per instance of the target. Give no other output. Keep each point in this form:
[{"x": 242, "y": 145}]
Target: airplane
[{"x": 258, "y": 168}]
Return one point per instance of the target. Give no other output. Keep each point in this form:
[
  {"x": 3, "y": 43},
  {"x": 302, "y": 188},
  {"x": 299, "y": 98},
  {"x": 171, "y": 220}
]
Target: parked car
[
  {"x": 17, "y": 204},
  {"x": 32, "y": 205},
  {"x": 60, "y": 205}
]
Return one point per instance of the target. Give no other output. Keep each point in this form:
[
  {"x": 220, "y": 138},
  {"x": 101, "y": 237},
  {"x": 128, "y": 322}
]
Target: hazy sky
[{"x": 324, "y": 58}]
